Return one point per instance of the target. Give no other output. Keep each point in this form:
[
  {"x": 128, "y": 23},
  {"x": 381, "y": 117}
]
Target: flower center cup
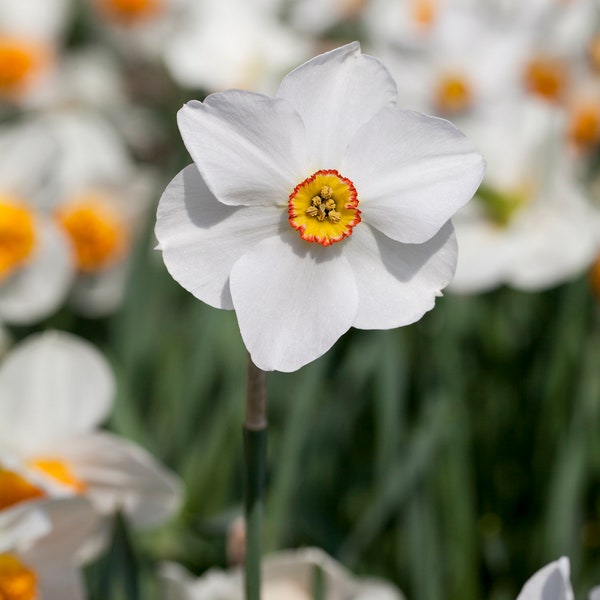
[
  {"x": 452, "y": 94},
  {"x": 20, "y": 60},
  {"x": 130, "y": 12},
  {"x": 15, "y": 489},
  {"x": 546, "y": 77},
  {"x": 17, "y": 236},
  {"x": 583, "y": 128},
  {"x": 324, "y": 208},
  {"x": 98, "y": 235},
  {"x": 59, "y": 471},
  {"x": 17, "y": 581},
  {"x": 424, "y": 13}
]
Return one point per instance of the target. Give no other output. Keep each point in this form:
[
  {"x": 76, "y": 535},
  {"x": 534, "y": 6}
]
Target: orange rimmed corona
[
  {"x": 20, "y": 62},
  {"x": 453, "y": 94},
  {"x": 17, "y": 235},
  {"x": 546, "y": 77},
  {"x": 324, "y": 207},
  {"x": 130, "y": 12},
  {"x": 17, "y": 580}
]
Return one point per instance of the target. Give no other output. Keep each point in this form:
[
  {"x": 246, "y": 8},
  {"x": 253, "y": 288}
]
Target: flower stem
[{"x": 255, "y": 450}]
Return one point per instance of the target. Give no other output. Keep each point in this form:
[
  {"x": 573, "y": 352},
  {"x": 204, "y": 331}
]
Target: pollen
[
  {"x": 584, "y": 125},
  {"x": 20, "y": 61},
  {"x": 324, "y": 208},
  {"x": 130, "y": 12},
  {"x": 17, "y": 235},
  {"x": 15, "y": 489},
  {"x": 546, "y": 77},
  {"x": 97, "y": 233},
  {"x": 59, "y": 471},
  {"x": 17, "y": 581},
  {"x": 452, "y": 94}
]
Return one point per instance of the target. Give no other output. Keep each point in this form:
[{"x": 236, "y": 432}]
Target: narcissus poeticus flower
[
  {"x": 319, "y": 209},
  {"x": 55, "y": 390}
]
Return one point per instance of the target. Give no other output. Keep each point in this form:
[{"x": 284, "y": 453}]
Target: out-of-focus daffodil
[{"x": 55, "y": 390}]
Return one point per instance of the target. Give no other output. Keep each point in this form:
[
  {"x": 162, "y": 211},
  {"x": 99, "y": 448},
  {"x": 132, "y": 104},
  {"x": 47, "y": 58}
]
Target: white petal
[
  {"x": 21, "y": 524},
  {"x": 335, "y": 94},
  {"x": 549, "y": 583},
  {"x": 594, "y": 593},
  {"x": 249, "y": 148},
  {"x": 398, "y": 283},
  {"x": 72, "y": 521},
  {"x": 64, "y": 582},
  {"x": 53, "y": 385},
  {"x": 36, "y": 18},
  {"x": 201, "y": 238},
  {"x": 412, "y": 173},
  {"x": 39, "y": 287},
  {"x": 122, "y": 476},
  {"x": 293, "y": 300}
]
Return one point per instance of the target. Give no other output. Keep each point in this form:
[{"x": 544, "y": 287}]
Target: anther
[
  {"x": 326, "y": 192},
  {"x": 312, "y": 211},
  {"x": 334, "y": 216}
]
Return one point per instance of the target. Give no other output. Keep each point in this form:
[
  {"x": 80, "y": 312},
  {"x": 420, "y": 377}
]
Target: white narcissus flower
[
  {"x": 36, "y": 265},
  {"x": 100, "y": 201},
  {"x": 549, "y": 583},
  {"x": 322, "y": 208},
  {"x": 39, "y": 543},
  {"x": 287, "y": 575},
  {"x": 530, "y": 225},
  {"x": 55, "y": 390}
]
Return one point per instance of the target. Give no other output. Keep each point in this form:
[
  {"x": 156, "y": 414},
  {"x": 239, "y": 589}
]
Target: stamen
[
  {"x": 324, "y": 208},
  {"x": 17, "y": 235},
  {"x": 97, "y": 232},
  {"x": 17, "y": 581},
  {"x": 14, "y": 489}
]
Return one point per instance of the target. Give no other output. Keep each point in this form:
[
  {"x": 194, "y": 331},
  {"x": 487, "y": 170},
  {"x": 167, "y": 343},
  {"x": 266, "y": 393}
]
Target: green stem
[{"x": 255, "y": 451}]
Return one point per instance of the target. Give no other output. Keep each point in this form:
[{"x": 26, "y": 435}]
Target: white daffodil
[
  {"x": 530, "y": 224},
  {"x": 254, "y": 51},
  {"x": 287, "y": 575},
  {"x": 99, "y": 201},
  {"x": 549, "y": 583},
  {"x": 322, "y": 208},
  {"x": 55, "y": 389},
  {"x": 30, "y": 37},
  {"x": 39, "y": 544},
  {"x": 36, "y": 266}
]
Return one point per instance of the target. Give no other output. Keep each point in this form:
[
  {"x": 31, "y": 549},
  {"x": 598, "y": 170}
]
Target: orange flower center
[
  {"x": 324, "y": 208},
  {"x": 59, "y": 471},
  {"x": 424, "y": 12},
  {"x": 584, "y": 125},
  {"x": 546, "y": 77},
  {"x": 452, "y": 94},
  {"x": 15, "y": 489},
  {"x": 17, "y": 581},
  {"x": 20, "y": 60},
  {"x": 130, "y": 12},
  {"x": 593, "y": 51},
  {"x": 594, "y": 276},
  {"x": 96, "y": 231},
  {"x": 17, "y": 235}
]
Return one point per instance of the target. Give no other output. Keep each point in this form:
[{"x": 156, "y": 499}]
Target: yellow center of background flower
[
  {"x": 15, "y": 489},
  {"x": 324, "y": 208},
  {"x": 17, "y": 581},
  {"x": 17, "y": 235},
  {"x": 20, "y": 60},
  {"x": 546, "y": 77},
  {"x": 424, "y": 12},
  {"x": 96, "y": 231},
  {"x": 130, "y": 12},
  {"x": 502, "y": 205},
  {"x": 584, "y": 125},
  {"x": 60, "y": 471},
  {"x": 452, "y": 94}
]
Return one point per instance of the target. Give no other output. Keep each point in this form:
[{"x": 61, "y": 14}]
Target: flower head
[
  {"x": 322, "y": 208},
  {"x": 55, "y": 389}
]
